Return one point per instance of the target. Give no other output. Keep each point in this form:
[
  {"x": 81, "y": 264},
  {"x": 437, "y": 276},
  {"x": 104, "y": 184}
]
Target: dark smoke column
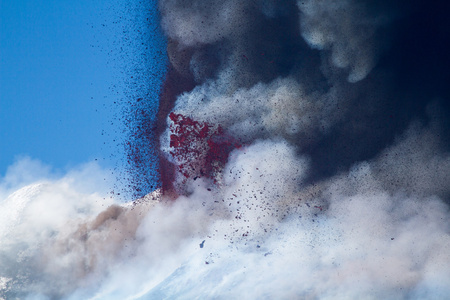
[
  {"x": 326, "y": 76},
  {"x": 213, "y": 49}
]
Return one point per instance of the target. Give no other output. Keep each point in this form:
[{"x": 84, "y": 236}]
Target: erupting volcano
[
  {"x": 198, "y": 149},
  {"x": 303, "y": 152}
]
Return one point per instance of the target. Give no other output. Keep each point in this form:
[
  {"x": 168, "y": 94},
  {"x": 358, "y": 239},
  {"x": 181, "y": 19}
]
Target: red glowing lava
[{"x": 199, "y": 149}]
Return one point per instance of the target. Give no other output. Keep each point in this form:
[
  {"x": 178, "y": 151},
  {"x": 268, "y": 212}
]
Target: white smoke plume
[
  {"x": 346, "y": 237},
  {"x": 319, "y": 194}
]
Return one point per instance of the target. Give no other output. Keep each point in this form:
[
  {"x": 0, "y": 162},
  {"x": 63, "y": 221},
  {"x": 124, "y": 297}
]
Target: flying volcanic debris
[{"x": 303, "y": 154}]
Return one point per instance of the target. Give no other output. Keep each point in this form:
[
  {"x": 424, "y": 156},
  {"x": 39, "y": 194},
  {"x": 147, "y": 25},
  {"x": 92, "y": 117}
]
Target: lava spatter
[{"x": 198, "y": 149}]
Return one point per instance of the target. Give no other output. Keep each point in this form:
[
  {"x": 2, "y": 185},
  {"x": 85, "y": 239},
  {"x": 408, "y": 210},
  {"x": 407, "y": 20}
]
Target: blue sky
[{"x": 63, "y": 78}]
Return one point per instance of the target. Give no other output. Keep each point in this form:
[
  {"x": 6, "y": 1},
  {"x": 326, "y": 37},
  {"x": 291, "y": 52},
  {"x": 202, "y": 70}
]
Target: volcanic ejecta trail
[{"x": 303, "y": 154}]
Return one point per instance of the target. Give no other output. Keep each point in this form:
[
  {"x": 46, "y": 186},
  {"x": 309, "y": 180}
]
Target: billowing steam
[{"x": 295, "y": 164}]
